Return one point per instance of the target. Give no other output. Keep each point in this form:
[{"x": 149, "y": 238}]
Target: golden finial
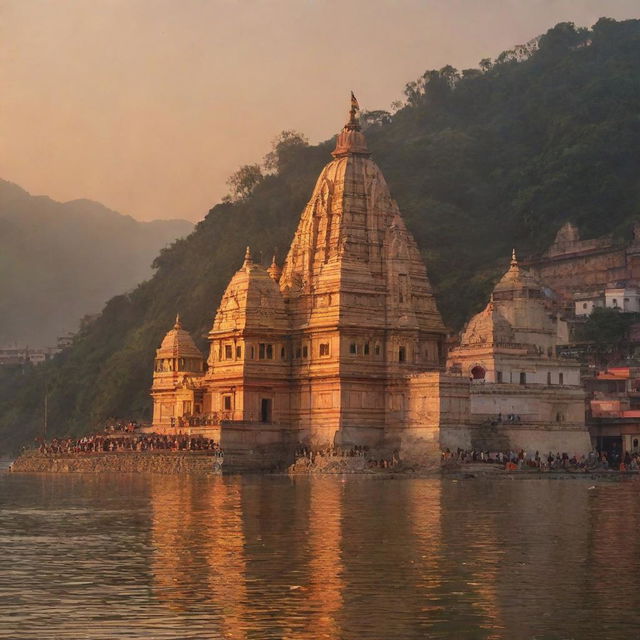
[
  {"x": 178, "y": 324},
  {"x": 350, "y": 139},
  {"x": 353, "y": 123},
  {"x": 247, "y": 257},
  {"x": 514, "y": 260}
]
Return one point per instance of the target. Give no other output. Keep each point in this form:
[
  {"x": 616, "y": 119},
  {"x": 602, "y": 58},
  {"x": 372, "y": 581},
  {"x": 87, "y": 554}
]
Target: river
[{"x": 260, "y": 557}]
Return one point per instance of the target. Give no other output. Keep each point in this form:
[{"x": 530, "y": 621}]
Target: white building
[{"x": 626, "y": 299}]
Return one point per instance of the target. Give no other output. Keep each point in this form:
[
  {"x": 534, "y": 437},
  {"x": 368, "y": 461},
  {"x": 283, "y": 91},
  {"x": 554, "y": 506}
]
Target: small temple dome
[
  {"x": 488, "y": 327},
  {"x": 178, "y": 343},
  {"x": 252, "y": 299},
  {"x": 517, "y": 280}
]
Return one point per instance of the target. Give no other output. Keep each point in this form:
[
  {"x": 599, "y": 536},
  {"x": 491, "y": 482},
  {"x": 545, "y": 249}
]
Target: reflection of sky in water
[{"x": 306, "y": 558}]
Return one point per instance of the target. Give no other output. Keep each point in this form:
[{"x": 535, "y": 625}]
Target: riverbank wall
[{"x": 167, "y": 462}]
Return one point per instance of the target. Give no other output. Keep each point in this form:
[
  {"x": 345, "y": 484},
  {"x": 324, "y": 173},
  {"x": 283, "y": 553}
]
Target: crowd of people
[
  {"x": 371, "y": 462},
  {"x": 127, "y": 427},
  {"x": 515, "y": 460},
  {"x": 196, "y": 421},
  {"x": 100, "y": 443}
]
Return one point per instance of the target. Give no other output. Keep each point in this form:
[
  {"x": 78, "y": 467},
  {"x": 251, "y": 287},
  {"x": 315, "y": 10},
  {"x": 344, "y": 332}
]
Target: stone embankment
[
  {"x": 359, "y": 464},
  {"x": 167, "y": 462}
]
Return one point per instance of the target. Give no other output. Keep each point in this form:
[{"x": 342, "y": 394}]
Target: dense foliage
[
  {"x": 606, "y": 333},
  {"x": 479, "y": 160}
]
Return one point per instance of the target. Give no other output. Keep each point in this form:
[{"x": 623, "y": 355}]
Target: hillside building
[{"x": 613, "y": 415}]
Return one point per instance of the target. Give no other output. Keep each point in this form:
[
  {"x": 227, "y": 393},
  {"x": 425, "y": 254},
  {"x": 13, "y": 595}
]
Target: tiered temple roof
[
  {"x": 252, "y": 300},
  {"x": 178, "y": 344}
]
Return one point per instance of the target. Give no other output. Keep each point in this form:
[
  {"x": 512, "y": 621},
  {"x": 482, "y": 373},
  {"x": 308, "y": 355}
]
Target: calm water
[{"x": 309, "y": 558}]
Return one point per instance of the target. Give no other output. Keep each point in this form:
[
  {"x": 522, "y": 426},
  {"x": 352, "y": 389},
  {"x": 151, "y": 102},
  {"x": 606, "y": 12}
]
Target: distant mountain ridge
[{"x": 62, "y": 260}]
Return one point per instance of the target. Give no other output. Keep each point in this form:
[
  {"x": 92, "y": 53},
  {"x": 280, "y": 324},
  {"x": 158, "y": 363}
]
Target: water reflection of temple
[
  {"x": 198, "y": 563},
  {"x": 309, "y": 558}
]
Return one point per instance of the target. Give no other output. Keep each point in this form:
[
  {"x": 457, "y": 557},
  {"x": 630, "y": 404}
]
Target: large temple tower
[
  {"x": 325, "y": 351},
  {"x": 361, "y": 308}
]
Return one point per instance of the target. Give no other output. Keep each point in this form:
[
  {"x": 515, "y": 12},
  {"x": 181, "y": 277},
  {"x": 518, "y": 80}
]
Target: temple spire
[
  {"x": 178, "y": 323},
  {"x": 514, "y": 260},
  {"x": 248, "y": 259},
  {"x": 351, "y": 140},
  {"x": 274, "y": 270},
  {"x": 353, "y": 124}
]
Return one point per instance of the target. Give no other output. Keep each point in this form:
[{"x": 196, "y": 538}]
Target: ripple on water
[{"x": 307, "y": 558}]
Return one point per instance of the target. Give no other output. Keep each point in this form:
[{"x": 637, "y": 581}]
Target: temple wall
[
  {"x": 546, "y": 439},
  {"x": 532, "y": 403},
  {"x": 316, "y": 406},
  {"x": 581, "y": 268},
  {"x": 257, "y": 447},
  {"x": 437, "y": 414},
  {"x": 546, "y": 418}
]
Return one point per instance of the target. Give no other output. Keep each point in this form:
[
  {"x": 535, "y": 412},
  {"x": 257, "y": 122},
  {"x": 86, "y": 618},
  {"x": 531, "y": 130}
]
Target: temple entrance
[{"x": 265, "y": 410}]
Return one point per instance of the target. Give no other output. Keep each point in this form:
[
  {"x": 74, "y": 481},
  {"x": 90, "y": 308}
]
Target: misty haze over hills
[{"x": 61, "y": 261}]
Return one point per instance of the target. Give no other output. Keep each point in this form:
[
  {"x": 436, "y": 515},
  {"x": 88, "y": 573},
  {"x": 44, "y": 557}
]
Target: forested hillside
[
  {"x": 479, "y": 160},
  {"x": 60, "y": 261}
]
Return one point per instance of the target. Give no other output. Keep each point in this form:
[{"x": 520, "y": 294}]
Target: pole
[{"x": 46, "y": 411}]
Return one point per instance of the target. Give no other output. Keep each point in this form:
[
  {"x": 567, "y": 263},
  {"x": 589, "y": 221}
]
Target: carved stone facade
[{"x": 323, "y": 350}]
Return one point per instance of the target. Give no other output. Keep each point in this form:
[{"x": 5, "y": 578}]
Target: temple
[
  {"x": 521, "y": 394},
  {"x": 344, "y": 344}
]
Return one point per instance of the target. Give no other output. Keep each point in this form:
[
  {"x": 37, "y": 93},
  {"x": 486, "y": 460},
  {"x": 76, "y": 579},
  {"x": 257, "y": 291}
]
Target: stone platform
[{"x": 167, "y": 462}]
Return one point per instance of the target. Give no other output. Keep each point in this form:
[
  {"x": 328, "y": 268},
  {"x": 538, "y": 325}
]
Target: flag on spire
[{"x": 354, "y": 102}]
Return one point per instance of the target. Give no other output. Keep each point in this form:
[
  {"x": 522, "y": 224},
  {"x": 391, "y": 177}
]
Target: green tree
[
  {"x": 608, "y": 331},
  {"x": 284, "y": 148},
  {"x": 244, "y": 181}
]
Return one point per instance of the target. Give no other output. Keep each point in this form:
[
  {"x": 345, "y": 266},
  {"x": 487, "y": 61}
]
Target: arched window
[{"x": 478, "y": 373}]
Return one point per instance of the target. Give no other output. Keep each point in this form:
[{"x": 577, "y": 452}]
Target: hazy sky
[{"x": 149, "y": 105}]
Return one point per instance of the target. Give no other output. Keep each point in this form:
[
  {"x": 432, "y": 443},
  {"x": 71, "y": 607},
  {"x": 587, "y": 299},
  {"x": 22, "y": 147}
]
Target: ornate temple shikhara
[
  {"x": 344, "y": 345},
  {"x": 326, "y": 349}
]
